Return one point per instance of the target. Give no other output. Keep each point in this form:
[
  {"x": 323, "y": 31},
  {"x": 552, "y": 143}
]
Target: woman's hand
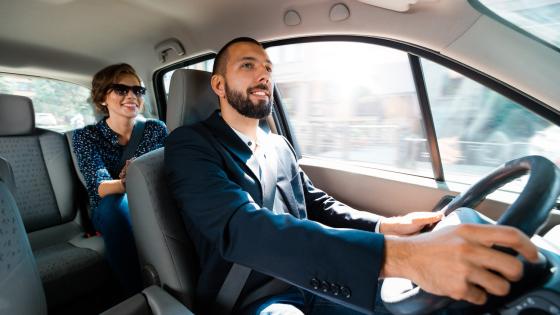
[{"x": 122, "y": 174}]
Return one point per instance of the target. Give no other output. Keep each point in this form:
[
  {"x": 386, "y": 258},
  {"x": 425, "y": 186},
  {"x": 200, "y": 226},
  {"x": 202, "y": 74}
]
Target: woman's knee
[{"x": 113, "y": 208}]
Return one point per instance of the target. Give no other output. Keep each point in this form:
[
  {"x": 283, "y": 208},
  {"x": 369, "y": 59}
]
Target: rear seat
[{"x": 46, "y": 194}]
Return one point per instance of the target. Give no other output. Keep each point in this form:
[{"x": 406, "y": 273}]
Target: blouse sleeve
[{"x": 90, "y": 162}]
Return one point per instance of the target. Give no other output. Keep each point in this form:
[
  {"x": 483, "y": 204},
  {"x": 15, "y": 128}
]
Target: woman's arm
[
  {"x": 91, "y": 165},
  {"x": 109, "y": 187}
]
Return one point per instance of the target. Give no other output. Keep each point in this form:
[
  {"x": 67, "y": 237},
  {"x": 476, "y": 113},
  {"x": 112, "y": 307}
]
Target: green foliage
[{"x": 67, "y": 102}]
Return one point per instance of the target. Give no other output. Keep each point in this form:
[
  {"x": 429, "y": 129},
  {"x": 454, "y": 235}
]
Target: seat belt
[
  {"x": 134, "y": 141},
  {"x": 238, "y": 275}
]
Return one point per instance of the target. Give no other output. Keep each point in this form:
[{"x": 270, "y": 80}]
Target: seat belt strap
[
  {"x": 231, "y": 288},
  {"x": 238, "y": 275},
  {"x": 134, "y": 141}
]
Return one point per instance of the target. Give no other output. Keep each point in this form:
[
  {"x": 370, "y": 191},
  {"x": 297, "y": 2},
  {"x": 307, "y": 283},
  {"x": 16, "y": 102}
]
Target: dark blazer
[{"x": 211, "y": 174}]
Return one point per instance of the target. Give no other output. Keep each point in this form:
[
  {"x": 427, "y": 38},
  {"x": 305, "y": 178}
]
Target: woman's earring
[{"x": 103, "y": 104}]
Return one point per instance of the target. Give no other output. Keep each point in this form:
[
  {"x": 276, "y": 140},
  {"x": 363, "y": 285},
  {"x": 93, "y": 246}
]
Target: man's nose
[{"x": 264, "y": 74}]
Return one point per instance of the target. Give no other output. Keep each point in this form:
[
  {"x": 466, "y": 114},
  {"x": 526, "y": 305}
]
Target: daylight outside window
[
  {"x": 354, "y": 103},
  {"x": 479, "y": 129},
  {"x": 59, "y": 106},
  {"x": 540, "y": 18}
]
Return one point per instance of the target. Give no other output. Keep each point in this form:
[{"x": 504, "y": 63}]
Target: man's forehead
[{"x": 244, "y": 51}]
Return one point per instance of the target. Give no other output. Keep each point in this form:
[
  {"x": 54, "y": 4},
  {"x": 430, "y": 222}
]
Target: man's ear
[{"x": 218, "y": 85}]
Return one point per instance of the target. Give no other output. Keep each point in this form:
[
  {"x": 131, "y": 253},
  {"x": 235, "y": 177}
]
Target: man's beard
[{"x": 245, "y": 106}]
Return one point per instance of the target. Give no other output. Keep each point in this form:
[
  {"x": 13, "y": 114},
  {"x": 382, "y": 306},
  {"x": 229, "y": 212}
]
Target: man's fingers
[
  {"x": 506, "y": 236},
  {"x": 506, "y": 265},
  {"x": 489, "y": 281},
  {"x": 423, "y": 218},
  {"x": 475, "y": 295}
]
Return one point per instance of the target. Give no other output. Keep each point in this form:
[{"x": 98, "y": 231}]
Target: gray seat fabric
[
  {"x": 160, "y": 234},
  {"x": 191, "y": 98},
  {"x": 20, "y": 284},
  {"x": 46, "y": 195}
]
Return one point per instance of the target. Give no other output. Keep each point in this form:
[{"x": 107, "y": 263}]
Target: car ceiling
[{"x": 71, "y": 39}]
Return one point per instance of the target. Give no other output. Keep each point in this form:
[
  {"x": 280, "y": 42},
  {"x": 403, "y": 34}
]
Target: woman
[{"x": 118, "y": 94}]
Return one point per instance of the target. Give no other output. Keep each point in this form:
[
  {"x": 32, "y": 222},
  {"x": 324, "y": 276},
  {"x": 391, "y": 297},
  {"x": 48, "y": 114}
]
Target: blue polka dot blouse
[{"x": 99, "y": 153}]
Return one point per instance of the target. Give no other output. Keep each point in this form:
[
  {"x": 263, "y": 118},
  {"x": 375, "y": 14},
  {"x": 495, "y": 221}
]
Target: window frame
[
  {"x": 159, "y": 87},
  {"x": 477, "y": 5},
  {"x": 414, "y": 52}
]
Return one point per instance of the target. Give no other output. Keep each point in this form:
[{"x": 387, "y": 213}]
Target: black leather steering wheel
[{"x": 527, "y": 213}]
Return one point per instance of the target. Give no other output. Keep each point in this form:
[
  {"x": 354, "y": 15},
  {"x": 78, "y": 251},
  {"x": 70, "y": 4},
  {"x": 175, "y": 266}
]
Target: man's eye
[
  {"x": 247, "y": 65},
  {"x": 269, "y": 69}
]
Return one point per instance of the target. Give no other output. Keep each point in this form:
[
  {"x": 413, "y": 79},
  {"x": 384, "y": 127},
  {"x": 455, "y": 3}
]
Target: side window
[
  {"x": 478, "y": 129},
  {"x": 59, "y": 106},
  {"x": 352, "y": 102},
  {"x": 205, "y": 65}
]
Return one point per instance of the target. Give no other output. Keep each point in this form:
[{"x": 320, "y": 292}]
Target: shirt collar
[
  {"x": 248, "y": 141},
  {"x": 107, "y": 132}
]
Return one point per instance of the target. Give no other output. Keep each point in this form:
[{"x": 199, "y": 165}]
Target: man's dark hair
[{"x": 221, "y": 58}]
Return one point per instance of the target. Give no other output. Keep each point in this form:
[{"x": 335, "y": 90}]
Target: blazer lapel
[{"x": 227, "y": 137}]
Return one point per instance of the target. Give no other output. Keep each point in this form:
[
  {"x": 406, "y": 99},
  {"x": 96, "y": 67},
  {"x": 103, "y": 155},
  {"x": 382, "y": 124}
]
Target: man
[{"x": 244, "y": 200}]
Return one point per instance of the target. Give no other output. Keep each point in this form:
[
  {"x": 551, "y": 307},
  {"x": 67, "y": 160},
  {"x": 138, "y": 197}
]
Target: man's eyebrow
[{"x": 249, "y": 58}]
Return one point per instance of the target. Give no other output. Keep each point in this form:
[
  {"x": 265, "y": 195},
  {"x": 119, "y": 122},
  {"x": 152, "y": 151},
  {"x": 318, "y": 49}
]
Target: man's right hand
[{"x": 458, "y": 261}]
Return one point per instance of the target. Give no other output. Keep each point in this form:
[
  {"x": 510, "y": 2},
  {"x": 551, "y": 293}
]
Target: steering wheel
[{"x": 528, "y": 213}]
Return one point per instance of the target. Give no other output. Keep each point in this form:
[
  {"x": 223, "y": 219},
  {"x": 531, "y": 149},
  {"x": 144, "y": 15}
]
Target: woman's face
[{"x": 128, "y": 105}]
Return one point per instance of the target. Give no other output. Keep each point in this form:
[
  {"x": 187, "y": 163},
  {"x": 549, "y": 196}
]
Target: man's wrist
[{"x": 397, "y": 257}]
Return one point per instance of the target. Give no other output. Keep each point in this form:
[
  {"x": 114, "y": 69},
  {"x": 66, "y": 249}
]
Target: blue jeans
[
  {"x": 297, "y": 301},
  {"x": 112, "y": 220}
]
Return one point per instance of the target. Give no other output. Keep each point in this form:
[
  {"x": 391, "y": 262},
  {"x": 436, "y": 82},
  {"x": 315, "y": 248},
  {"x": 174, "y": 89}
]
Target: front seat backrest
[
  {"x": 21, "y": 291},
  {"x": 161, "y": 239},
  {"x": 191, "y": 98}
]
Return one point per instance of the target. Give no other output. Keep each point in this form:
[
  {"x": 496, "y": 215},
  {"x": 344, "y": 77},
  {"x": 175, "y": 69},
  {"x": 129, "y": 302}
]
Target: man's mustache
[{"x": 259, "y": 87}]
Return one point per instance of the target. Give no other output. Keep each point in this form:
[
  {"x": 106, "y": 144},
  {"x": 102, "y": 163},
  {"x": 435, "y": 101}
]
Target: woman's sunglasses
[{"x": 122, "y": 89}]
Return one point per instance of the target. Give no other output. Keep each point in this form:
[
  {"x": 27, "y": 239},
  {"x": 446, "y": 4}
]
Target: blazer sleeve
[{"x": 281, "y": 246}]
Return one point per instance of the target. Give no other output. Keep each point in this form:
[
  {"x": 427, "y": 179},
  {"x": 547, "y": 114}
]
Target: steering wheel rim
[{"x": 540, "y": 193}]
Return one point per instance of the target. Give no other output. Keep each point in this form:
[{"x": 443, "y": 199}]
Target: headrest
[
  {"x": 16, "y": 115},
  {"x": 7, "y": 175},
  {"x": 191, "y": 98}
]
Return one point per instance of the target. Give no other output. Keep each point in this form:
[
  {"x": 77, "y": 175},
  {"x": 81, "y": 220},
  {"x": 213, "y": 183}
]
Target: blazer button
[
  {"x": 335, "y": 289},
  {"x": 325, "y": 286},
  {"x": 345, "y": 292},
  {"x": 315, "y": 283}
]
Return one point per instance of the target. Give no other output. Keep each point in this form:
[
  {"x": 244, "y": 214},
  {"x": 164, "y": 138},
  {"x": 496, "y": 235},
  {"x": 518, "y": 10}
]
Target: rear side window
[
  {"x": 59, "y": 106},
  {"x": 352, "y": 102},
  {"x": 479, "y": 129},
  {"x": 205, "y": 65}
]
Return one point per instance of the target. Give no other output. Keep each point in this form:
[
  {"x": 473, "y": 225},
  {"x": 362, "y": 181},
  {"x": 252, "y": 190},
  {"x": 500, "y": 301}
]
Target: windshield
[{"x": 540, "y": 18}]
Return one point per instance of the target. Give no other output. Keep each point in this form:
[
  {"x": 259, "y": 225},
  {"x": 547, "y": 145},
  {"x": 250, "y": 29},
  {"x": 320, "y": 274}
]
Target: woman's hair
[{"x": 103, "y": 79}]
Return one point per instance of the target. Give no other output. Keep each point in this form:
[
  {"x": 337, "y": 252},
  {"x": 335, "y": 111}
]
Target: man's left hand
[{"x": 409, "y": 224}]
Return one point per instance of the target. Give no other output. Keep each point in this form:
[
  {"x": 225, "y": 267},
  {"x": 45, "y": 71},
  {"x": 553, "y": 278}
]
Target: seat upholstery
[
  {"x": 160, "y": 234},
  {"x": 20, "y": 284},
  {"x": 46, "y": 195}
]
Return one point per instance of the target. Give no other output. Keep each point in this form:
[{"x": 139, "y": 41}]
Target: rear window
[{"x": 59, "y": 106}]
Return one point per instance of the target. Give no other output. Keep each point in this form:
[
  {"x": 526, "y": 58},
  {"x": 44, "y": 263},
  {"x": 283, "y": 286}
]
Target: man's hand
[
  {"x": 409, "y": 224},
  {"x": 458, "y": 261}
]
